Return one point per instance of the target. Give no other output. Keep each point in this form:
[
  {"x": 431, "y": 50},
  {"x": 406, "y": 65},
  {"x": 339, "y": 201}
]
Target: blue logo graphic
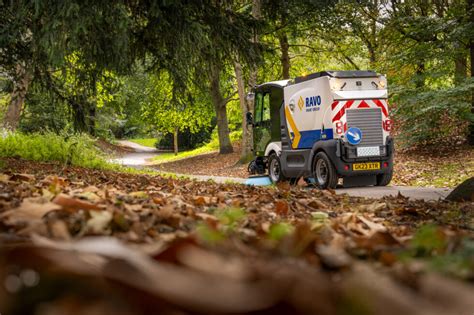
[
  {"x": 354, "y": 135},
  {"x": 313, "y": 101}
]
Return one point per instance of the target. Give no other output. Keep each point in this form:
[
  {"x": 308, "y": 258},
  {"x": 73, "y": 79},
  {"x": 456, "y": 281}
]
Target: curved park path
[
  {"x": 142, "y": 155},
  {"x": 139, "y": 158}
]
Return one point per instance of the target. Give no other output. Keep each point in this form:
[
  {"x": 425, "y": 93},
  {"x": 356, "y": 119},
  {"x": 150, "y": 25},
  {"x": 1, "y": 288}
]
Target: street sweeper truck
[{"x": 322, "y": 127}]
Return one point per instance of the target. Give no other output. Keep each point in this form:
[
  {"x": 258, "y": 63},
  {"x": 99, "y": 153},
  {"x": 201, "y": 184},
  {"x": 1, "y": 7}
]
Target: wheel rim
[
  {"x": 274, "y": 170},
  {"x": 322, "y": 172}
]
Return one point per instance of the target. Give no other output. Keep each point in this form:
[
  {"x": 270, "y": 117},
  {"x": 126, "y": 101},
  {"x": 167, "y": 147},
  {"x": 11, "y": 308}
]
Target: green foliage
[
  {"x": 230, "y": 217},
  {"x": 279, "y": 230},
  {"x": 228, "y": 220},
  {"x": 428, "y": 239},
  {"x": 451, "y": 256},
  {"x": 433, "y": 115},
  {"x": 148, "y": 142},
  {"x": 76, "y": 150}
]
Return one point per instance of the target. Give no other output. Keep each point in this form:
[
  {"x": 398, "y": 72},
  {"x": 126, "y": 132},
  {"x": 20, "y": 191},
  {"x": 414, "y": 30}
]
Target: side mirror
[
  {"x": 250, "y": 97},
  {"x": 249, "y": 118}
]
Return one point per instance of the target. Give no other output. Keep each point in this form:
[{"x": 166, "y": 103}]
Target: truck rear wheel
[
  {"x": 324, "y": 172},
  {"x": 384, "y": 179},
  {"x": 274, "y": 169}
]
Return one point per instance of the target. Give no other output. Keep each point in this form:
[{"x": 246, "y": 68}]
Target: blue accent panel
[
  {"x": 309, "y": 137},
  {"x": 258, "y": 181}
]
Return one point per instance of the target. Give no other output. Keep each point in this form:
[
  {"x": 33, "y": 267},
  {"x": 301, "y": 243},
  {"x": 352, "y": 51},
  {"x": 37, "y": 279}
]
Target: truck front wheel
[
  {"x": 384, "y": 179},
  {"x": 274, "y": 169},
  {"x": 324, "y": 172}
]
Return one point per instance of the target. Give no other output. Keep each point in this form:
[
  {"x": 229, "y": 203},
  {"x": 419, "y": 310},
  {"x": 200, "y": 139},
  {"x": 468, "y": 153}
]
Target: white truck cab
[{"x": 327, "y": 125}]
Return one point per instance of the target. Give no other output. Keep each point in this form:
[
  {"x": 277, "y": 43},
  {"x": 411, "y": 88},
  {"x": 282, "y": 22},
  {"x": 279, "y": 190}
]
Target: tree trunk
[
  {"x": 460, "y": 64},
  {"x": 220, "y": 107},
  {"x": 256, "y": 13},
  {"x": 285, "y": 56},
  {"x": 18, "y": 96},
  {"x": 247, "y": 132},
  {"x": 420, "y": 71},
  {"x": 91, "y": 119},
  {"x": 175, "y": 141},
  {"x": 470, "y": 8}
]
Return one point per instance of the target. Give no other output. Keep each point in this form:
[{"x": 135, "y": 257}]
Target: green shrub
[{"x": 76, "y": 150}]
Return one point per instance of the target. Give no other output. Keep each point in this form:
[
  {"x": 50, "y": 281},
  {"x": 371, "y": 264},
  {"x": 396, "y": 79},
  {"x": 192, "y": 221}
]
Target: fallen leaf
[
  {"x": 333, "y": 257},
  {"x": 281, "y": 207},
  {"x": 89, "y": 195},
  {"x": 201, "y": 201},
  {"x": 59, "y": 230},
  {"x": 23, "y": 177},
  {"x": 376, "y": 206},
  {"x": 374, "y": 227},
  {"x": 99, "y": 222},
  {"x": 139, "y": 194},
  {"x": 73, "y": 204},
  {"x": 317, "y": 204},
  {"x": 31, "y": 209},
  {"x": 4, "y": 178}
]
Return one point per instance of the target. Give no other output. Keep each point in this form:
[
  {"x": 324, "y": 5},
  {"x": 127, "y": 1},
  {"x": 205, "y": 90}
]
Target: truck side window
[
  {"x": 258, "y": 107},
  {"x": 266, "y": 107}
]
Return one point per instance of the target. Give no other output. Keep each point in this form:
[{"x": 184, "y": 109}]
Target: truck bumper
[{"x": 345, "y": 166}]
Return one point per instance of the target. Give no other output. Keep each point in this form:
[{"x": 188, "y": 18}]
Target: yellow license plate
[{"x": 366, "y": 166}]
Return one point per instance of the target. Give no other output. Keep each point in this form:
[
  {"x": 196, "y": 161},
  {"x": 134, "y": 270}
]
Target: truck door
[{"x": 262, "y": 123}]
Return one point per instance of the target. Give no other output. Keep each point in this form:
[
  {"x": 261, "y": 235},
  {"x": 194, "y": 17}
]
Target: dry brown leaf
[
  {"x": 373, "y": 227},
  {"x": 281, "y": 207},
  {"x": 23, "y": 177},
  {"x": 201, "y": 201},
  {"x": 72, "y": 204},
  {"x": 376, "y": 206},
  {"x": 333, "y": 257},
  {"x": 31, "y": 209},
  {"x": 4, "y": 178},
  {"x": 59, "y": 230},
  {"x": 317, "y": 204},
  {"x": 99, "y": 223}
]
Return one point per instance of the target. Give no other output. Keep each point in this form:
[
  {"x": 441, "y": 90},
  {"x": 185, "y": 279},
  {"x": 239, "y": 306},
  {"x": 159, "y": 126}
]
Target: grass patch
[
  {"x": 212, "y": 146},
  {"x": 147, "y": 142},
  {"x": 78, "y": 150}
]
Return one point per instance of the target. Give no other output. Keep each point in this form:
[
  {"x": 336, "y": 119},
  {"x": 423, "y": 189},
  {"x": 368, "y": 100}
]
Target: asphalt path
[{"x": 142, "y": 155}]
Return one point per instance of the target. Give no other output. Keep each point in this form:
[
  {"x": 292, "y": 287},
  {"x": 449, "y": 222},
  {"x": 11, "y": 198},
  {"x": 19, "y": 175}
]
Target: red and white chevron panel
[{"x": 339, "y": 111}]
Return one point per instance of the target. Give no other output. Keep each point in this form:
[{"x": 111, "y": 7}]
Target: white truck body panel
[
  {"x": 316, "y": 109},
  {"x": 273, "y": 146}
]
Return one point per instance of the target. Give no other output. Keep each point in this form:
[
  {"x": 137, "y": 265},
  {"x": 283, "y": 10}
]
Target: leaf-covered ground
[
  {"x": 80, "y": 241},
  {"x": 429, "y": 167}
]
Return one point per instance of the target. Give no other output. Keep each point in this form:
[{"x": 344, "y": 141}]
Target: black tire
[
  {"x": 324, "y": 172},
  {"x": 384, "y": 179},
  {"x": 274, "y": 169}
]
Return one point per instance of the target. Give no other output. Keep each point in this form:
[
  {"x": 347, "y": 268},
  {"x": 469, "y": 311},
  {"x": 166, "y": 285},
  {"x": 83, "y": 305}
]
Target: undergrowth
[{"x": 78, "y": 150}]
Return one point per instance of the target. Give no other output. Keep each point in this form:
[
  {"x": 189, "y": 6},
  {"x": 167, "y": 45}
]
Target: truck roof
[
  {"x": 281, "y": 83},
  {"x": 338, "y": 74}
]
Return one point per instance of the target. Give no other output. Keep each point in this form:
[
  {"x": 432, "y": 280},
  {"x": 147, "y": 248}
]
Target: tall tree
[
  {"x": 470, "y": 10},
  {"x": 244, "y": 86},
  {"x": 36, "y": 37}
]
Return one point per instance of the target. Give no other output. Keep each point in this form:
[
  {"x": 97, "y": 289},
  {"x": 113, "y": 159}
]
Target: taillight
[
  {"x": 339, "y": 129},
  {"x": 387, "y": 125}
]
